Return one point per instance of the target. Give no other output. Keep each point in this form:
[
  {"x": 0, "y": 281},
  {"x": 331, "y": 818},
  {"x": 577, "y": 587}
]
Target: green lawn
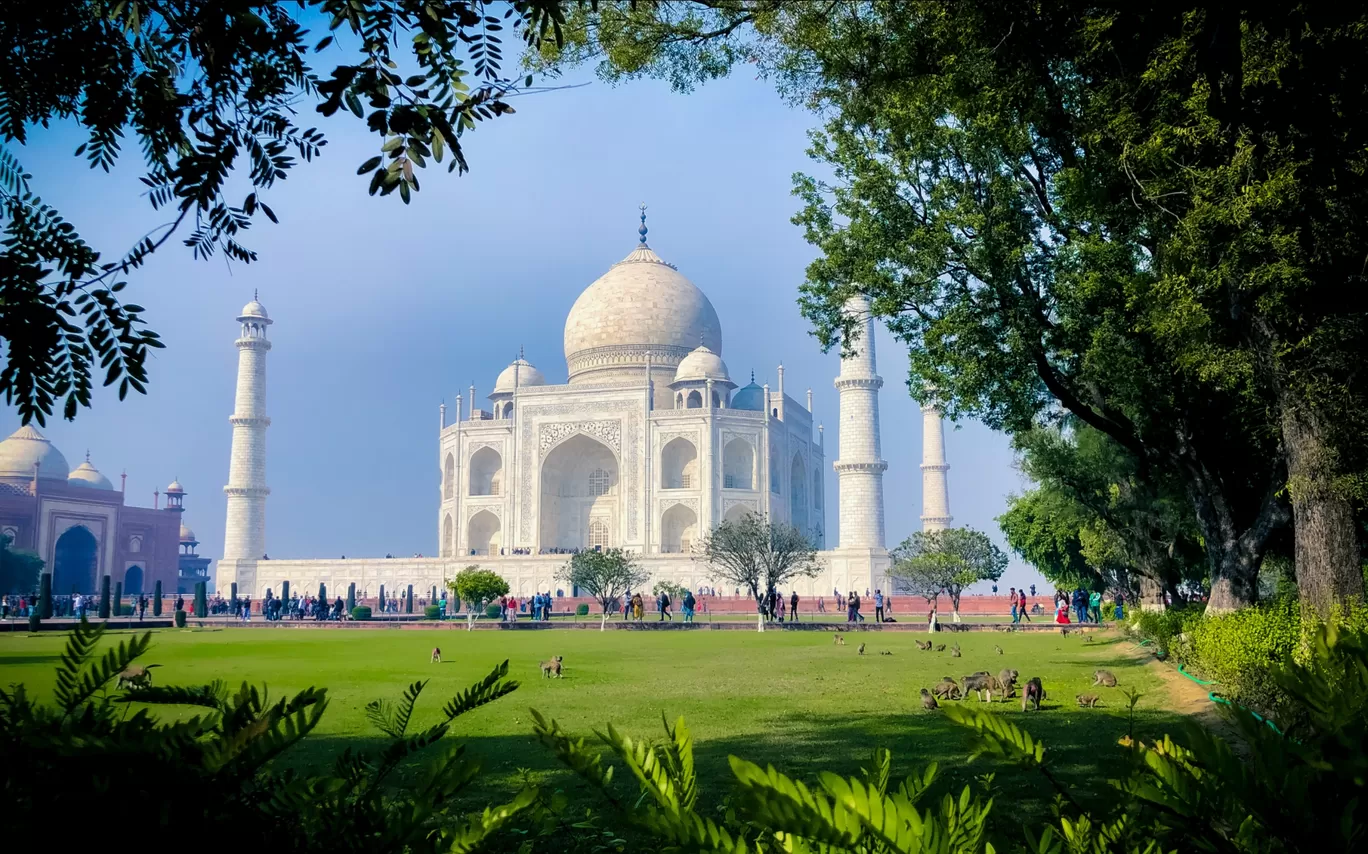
[{"x": 792, "y": 699}]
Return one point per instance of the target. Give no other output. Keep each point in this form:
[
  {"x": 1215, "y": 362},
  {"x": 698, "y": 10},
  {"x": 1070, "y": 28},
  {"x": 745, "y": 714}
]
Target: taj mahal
[{"x": 649, "y": 444}]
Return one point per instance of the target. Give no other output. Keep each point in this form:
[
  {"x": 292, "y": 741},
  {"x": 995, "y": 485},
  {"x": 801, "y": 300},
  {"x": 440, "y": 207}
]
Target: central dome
[{"x": 641, "y": 311}]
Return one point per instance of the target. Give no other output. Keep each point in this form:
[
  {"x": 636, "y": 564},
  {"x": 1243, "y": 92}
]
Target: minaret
[
  {"x": 935, "y": 484},
  {"x": 245, "y": 532},
  {"x": 859, "y": 469}
]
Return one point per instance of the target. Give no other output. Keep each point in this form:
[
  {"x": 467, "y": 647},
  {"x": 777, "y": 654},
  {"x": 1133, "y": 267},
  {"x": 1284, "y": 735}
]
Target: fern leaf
[
  {"x": 998, "y": 737},
  {"x": 486, "y": 691},
  {"x": 788, "y": 806},
  {"x": 473, "y": 833},
  {"x": 79, "y": 646}
]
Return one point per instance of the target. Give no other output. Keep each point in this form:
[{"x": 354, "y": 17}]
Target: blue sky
[{"x": 383, "y": 311}]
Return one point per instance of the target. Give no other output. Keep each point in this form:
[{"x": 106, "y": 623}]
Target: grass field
[{"x": 792, "y": 699}]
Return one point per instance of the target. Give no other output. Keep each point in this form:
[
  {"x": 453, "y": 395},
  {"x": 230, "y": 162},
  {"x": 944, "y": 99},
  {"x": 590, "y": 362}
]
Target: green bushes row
[
  {"x": 492, "y": 612},
  {"x": 582, "y": 609},
  {"x": 432, "y": 612},
  {"x": 361, "y": 612},
  {"x": 1240, "y": 650}
]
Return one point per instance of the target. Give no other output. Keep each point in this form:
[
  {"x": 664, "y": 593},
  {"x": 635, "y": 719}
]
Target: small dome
[
  {"x": 175, "y": 488},
  {"x": 254, "y": 309},
  {"x": 87, "y": 477},
  {"x": 187, "y": 535},
  {"x": 520, "y": 373},
  {"x": 702, "y": 365},
  {"x": 27, "y": 446},
  {"x": 750, "y": 397}
]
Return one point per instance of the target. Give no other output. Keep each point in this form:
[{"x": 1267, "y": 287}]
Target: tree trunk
[
  {"x": 759, "y": 618},
  {"x": 1151, "y": 594},
  {"x": 603, "y": 624},
  {"x": 954, "y": 607},
  {"x": 1326, "y": 537}
]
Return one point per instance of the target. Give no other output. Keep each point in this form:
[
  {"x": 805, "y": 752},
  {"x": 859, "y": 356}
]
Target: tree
[
  {"x": 208, "y": 91},
  {"x": 157, "y": 599},
  {"x": 475, "y": 587},
  {"x": 104, "y": 597},
  {"x": 759, "y": 555},
  {"x": 1095, "y": 519},
  {"x": 606, "y": 575},
  {"x": 1039, "y": 206},
  {"x": 351, "y": 596},
  {"x": 19, "y": 568},
  {"x": 953, "y": 559},
  {"x": 921, "y": 575}
]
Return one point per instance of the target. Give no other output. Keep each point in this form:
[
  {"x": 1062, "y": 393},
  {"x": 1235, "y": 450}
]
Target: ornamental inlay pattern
[
  {"x": 495, "y": 509},
  {"x": 607, "y": 432},
  {"x": 729, "y": 503},
  {"x": 667, "y": 503}
]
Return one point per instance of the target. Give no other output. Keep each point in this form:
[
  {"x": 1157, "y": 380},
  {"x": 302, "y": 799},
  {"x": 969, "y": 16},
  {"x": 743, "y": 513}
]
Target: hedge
[
  {"x": 157, "y": 600},
  {"x": 492, "y": 612},
  {"x": 361, "y": 612},
  {"x": 582, "y": 609},
  {"x": 432, "y": 612},
  {"x": 180, "y": 619}
]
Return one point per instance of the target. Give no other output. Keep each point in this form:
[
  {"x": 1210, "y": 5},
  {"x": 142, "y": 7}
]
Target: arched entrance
[
  {"x": 679, "y": 465},
  {"x": 579, "y": 483},
  {"x": 74, "y": 561},
  {"x": 448, "y": 532},
  {"x": 678, "y": 529},
  {"x": 484, "y": 534},
  {"x": 133, "y": 580},
  {"x": 486, "y": 472},
  {"x": 738, "y": 464}
]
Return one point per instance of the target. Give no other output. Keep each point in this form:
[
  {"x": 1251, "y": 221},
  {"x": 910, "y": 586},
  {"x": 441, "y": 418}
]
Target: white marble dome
[
  {"x": 27, "y": 446},
  {"x": 640, "y": 304},
  {"x": 254, "y": 309},
  {"x": 87, "y": 477},
  {"x": 700, "y": 366},
  {"x": 520, "y": 374}
]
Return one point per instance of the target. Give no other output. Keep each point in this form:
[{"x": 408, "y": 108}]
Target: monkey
[
  {"x": 1088, "y": 638},
  {"x": 885, "y": 652},
  {"x": 928, "y": 702},
  {"x": 998, "y": 648},
  {"x": 947, "y": 689},
  {"x": 1105, "y": 678},
  {"x": 980, "y": 684},
  {"x": 861, "y": 650},
  {"x": 940, "y": 647},
  {"x": 922, "y": 645},
  {"x": 840, "y": 640},
  {"x": 552, "y": 668},
  {"x": 1088, "y": 700},
  {"x": 1032, "y": 694},
  {"x": 436, "y": 655},
  {"x": 1008, "y": 678},
  {"x": 136, "y": 677},
  {"x": 955, "y": 653}
]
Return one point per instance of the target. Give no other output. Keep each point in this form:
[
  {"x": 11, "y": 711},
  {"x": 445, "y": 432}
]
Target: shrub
[
  {"x": 127, "y": 610},
  {"x": 157, "y": 600},
  {"x": 104, "y": 597},
  {"x": 1163, "y": 628},
  {"x": 45, "y": 595},
  {"x": 180, "y": 619},
  {"x": 582, "y": 609},
  {"x": 492, "y": 612},
  {"x": 432, "y": 612},
  {"x": 35, "y": 620},
  {"x": 361, "y": 612}
]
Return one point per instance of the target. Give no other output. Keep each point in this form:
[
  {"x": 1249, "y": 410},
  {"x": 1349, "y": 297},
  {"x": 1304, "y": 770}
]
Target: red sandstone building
[{"x": 78, "y": 522}]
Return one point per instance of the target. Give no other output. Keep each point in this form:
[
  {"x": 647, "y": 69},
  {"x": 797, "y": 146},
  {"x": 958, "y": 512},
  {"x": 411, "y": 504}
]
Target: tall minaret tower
[
  {"x": 935, "y": 483},
  {"x": 245, "y": 532},
  {"x": 859, "y": 469}
]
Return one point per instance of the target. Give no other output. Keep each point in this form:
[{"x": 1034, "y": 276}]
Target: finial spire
[
  {"x": 642, "y": 230},
  {"x": 87, "y": 455},
  {"x": 255, "y": 294},
  {"x": 520, "y": 352}
]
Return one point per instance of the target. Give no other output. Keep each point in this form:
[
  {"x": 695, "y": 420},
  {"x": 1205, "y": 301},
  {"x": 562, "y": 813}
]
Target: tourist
[
  {"x": 1080, "y": 604},
  {"x": 852, "y": 607},
  {"x": 779, "y": 608},
  {"x": 142, "y": 606},
  {"x": 1032, "y": 591},
  {"x": 638, "y": 607},
  {"x": 1095, "y": 606},
  {"x": 821, "y": 605},
  {"x": 932, "y": 623},
  {"x": 1120, "y": 613},
  {"x": 511, "y": 608},
  {"x": 1062, "y": 612},
  {"x": 627, "y": 606},
  {"x": 793, "y": 606},
  {"x": 688, "y": 605},
  {"x": 878, "y": 606}
]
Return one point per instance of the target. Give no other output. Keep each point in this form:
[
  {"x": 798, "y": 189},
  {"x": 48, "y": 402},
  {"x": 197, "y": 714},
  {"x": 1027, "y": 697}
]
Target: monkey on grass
[
  {"x": 928, "y": 702},
  {"x": 552, "y": 668},
  {"x": 1105, "y": 678},
  {"x": 1089, "y": 701}
]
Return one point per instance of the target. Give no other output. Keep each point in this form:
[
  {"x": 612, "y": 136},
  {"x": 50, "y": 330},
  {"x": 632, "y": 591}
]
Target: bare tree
[
  {"x": 759, "y": 555},
  {"x": 950, "y": 560},
  {"x": 605, "y": 575}
]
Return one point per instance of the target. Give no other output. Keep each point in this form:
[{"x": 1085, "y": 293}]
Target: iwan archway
[{"x": 579, "y": 487}]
